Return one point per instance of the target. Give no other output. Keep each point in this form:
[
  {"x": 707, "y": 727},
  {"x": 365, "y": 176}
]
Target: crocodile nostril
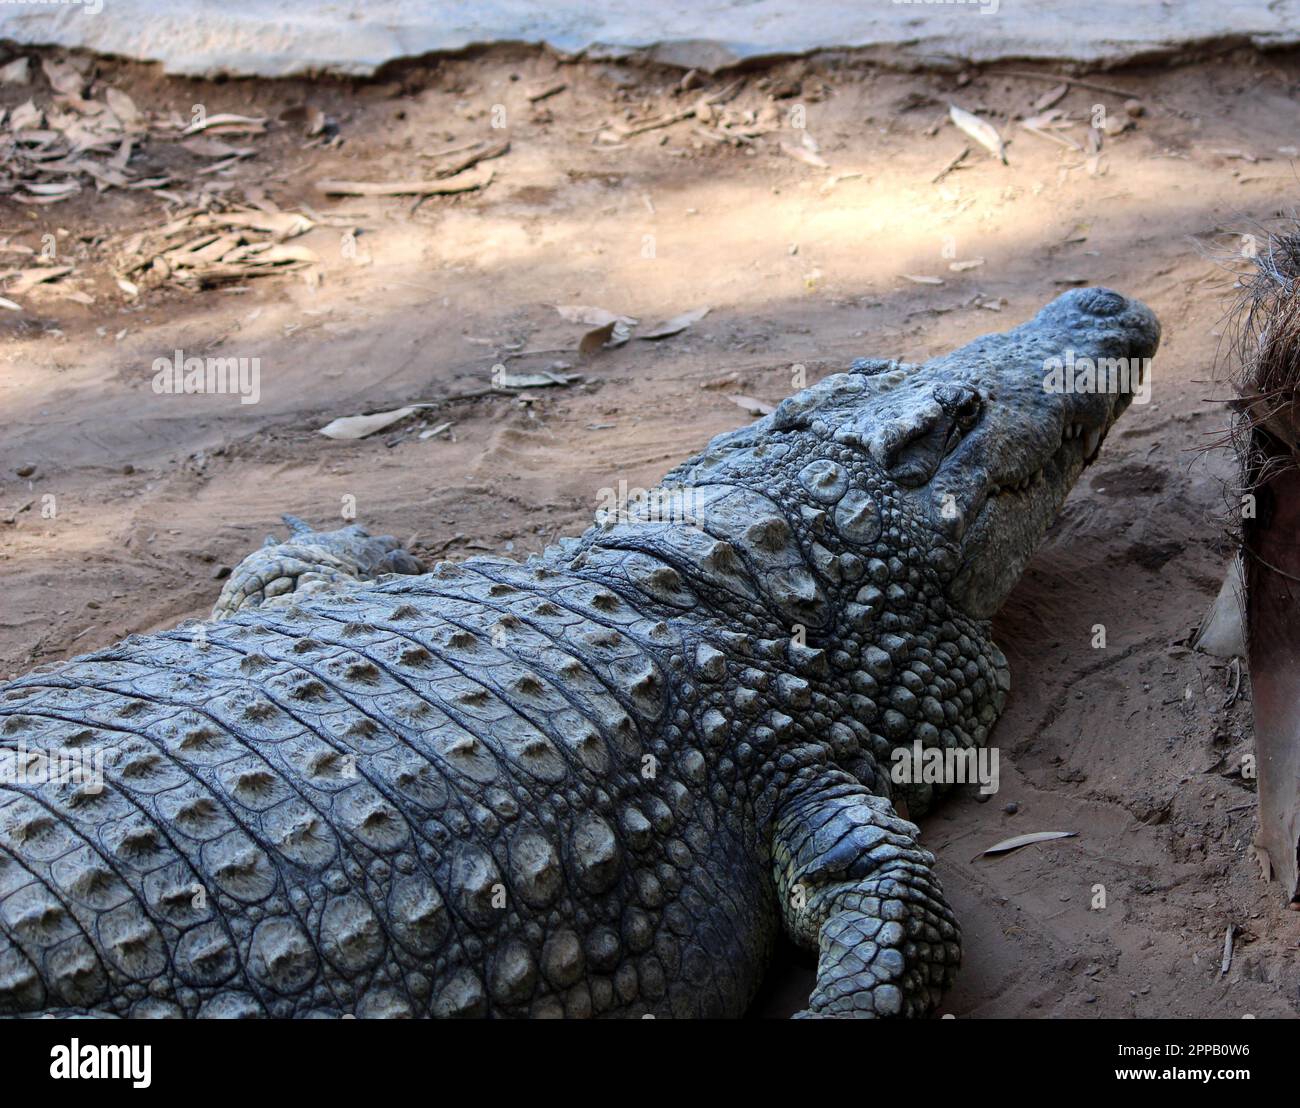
[{"x": 1101, "y": 302}]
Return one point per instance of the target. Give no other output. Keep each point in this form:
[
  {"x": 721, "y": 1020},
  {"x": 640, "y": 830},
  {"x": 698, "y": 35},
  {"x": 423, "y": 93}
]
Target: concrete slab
[{"x": 268, "y": 38}]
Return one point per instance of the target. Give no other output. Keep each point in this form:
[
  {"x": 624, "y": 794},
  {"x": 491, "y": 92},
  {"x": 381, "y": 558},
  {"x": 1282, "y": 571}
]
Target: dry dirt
[{"x": 1136, "y": 746}]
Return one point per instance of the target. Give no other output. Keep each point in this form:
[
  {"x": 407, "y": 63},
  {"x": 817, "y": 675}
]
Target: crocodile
[{"x": 598, "y": 782}]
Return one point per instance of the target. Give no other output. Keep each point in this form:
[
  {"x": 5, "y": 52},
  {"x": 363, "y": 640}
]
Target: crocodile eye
[
  {"x": 962, "y": 403},
  {"x": 969, "y": 412}
]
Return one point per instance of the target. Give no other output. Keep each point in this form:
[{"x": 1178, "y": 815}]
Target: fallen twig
[
  {"x": 721, "y": 97},
  {"x": 490, "y": 150},
  {"x": 1056, "y": 78},
  {"x": 954, "y": 164},
  {"x": 547, "y": 91},
  {"x": 1231, "y": 698},
  {"x": 12, "y": 517},
  {"x": 465, "y": 182}
]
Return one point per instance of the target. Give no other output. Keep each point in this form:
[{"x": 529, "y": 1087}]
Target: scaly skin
[
  {"x": 311, "y": 562},
  {"x": 593, "y": 784}
]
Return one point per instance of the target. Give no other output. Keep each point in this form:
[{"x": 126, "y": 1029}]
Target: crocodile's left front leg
[{"x": 857, "y": 887}]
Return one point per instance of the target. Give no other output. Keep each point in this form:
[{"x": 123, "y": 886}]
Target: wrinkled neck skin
[
  {"x": 803, "y": 551},
  {"x": 859, "y": 539}
]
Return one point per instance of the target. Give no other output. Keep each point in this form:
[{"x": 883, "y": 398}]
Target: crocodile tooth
[{"x": 1091, "y": 441}]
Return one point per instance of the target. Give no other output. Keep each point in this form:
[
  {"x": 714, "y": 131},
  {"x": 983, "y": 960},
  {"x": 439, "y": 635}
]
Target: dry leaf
[
  {"x": 753, "y": 406},
  {"x": 921, "y": 279},
  {"x": 1017, "y": 841},
  {"x": 981, "y": 132},
  {"x": 801, "y": 153},
  {"x": 594, "y": 341},
  {"x": 30, "y": 278},
  {"x": 9, "y": 305},
  {"x": 225, "y": 123},
  {"x": 1037, "y": 126},
  {"x": 279, "y": 225},
  {"x": 675, "y": 325},
  {"x": 122, "y": 106},
  {"x": 26, "y": 117},
  {"x": 52, "y": 188},
  {"x": 359, "y": 426},
  {"x": 103, "y": 174},
  {"x": 149, "y": 183},
  {"x": 592, "y": 316},
  {"x": 218, "y": 247},
  {"x": 123, "y": 155},
  {"x": 17, "y": 72},
  {"x": 1051, "y": 97},
  {"x": 970, "y": 263},
  {"x": 207, "y": 147},
  {"x": 542, "y": 380},
  {"x": 63, "y": 77},
  {"x": 1044, "y": 119}
]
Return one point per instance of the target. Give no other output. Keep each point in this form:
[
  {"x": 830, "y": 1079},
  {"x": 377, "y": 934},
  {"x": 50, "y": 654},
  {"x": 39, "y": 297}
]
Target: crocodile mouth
[
  {"x": 1015, "y": 513},
  {"x": 1077, "y": 438}
]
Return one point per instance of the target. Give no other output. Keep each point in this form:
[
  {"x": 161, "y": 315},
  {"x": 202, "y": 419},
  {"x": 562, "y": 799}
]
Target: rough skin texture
[
  {"x": 311, "y": 562},
  {"x": 593, "y": 784}
]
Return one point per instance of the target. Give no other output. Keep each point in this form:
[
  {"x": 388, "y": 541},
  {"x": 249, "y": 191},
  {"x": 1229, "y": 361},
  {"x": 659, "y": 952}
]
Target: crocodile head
[
  {"x": 979, "y": 447},
  {"x": 986, "y": 442},
  {"x": 960, "y": 463}
]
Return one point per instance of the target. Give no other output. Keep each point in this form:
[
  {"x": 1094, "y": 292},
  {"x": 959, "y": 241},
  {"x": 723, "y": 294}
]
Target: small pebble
[
  {"x": 25, "y": 471},
  {"x": 220, "y": 573},
  {"x": 1012, "y": 808}
]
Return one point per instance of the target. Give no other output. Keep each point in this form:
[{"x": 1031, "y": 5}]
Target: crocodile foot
[{"x": 310, "y": 562}]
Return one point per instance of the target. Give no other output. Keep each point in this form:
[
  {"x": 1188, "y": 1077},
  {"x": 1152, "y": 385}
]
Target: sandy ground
[{"x": 1136, "y": 746}]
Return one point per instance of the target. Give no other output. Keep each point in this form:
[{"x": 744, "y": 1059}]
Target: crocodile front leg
[
  {"x": 857, "y": 887},
  {"x": 310, "y": 563}
]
